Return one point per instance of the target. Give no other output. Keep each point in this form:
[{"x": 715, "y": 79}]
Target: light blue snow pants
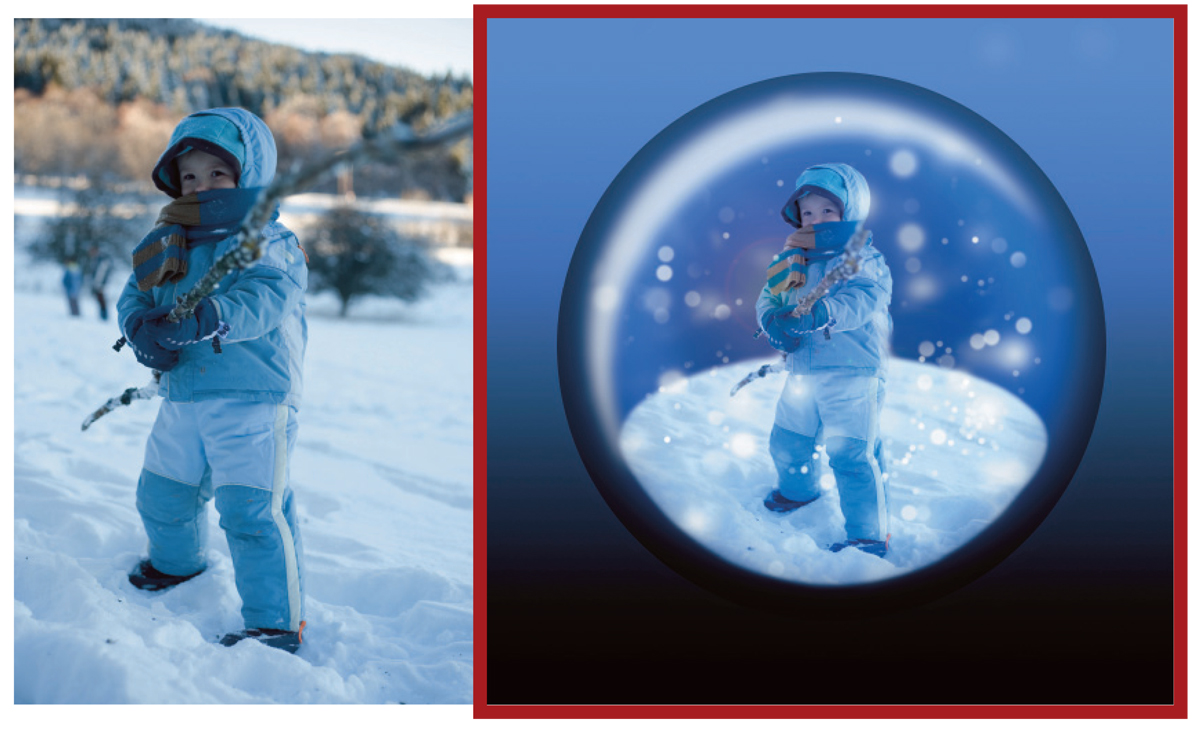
[
  {"x": 845, "y": 409},
  {"x": 240, "y": 451}
]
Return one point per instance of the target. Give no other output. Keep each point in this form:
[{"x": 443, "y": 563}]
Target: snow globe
[{"x": 996, "y": 356}]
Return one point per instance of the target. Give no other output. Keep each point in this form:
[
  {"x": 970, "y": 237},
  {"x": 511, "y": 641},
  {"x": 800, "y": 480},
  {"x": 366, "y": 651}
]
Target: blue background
[{"x": 579, "y": 611}]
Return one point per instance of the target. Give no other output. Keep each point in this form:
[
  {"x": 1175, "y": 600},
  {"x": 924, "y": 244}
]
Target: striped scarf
[
  {"x": 805, "y": 245},
  {"x": 192, "y": 220}
]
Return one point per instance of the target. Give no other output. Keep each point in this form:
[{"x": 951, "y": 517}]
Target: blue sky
[{"x": 425, "y": 45}]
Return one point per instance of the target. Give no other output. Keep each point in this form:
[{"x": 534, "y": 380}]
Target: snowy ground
[
  {"x": 959, "y": 450},
  {"x": 383, "y": 480}
]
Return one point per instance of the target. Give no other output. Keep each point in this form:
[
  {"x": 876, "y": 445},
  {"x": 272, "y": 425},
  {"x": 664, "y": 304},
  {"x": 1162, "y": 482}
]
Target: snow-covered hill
[
  {"x": 383, "y": 481},
  {"x": 958, "y": 449}
]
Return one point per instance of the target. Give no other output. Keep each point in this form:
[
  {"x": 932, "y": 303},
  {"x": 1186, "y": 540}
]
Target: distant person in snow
[
  {"x": 96, "y": 272},
  {"x": 227, "y": 425},
  {"x": 835, "y": 356},
  {"x": 72, "y": 284}
]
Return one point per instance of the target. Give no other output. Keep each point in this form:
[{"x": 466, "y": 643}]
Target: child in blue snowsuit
[
  {"x": 836, "y": 356},
  {"x": 227, "y": 425}
]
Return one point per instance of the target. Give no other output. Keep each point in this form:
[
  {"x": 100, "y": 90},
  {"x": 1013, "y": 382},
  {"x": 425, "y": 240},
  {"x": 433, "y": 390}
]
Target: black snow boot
[
  {"x": 776, "y": 502},
  {"x": 289, "y": 641},
  {"x": 144, "y": 576},
  {"x": 875, "y": 547}
]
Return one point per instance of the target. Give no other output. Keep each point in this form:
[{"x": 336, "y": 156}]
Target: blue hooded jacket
[
  {"x": 262, "y": 357},
  {"x": 859, "y": 323}
]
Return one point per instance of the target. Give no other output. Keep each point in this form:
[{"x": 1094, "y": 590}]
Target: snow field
[
  {"x": 383, "y": 479},
  {"x": 959, "y": 450}
]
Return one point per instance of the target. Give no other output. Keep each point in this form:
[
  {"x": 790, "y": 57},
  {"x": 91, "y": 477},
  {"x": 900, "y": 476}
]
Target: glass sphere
[{"x": 996, "y": 354}]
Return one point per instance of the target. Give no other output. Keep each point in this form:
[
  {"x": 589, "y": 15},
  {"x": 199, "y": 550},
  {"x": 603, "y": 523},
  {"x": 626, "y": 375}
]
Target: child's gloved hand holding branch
[
  {"x": 784, "y": 327},
  {"x": 156, "y": 340}
]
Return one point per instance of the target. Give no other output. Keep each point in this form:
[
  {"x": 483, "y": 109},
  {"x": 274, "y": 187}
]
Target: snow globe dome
[{"x": 996, "y": 356}]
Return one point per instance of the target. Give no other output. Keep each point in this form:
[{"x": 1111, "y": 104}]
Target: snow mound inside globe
[{"x": 958, "y": 450}]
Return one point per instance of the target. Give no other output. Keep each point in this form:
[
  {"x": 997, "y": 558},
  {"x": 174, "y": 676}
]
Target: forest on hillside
[{"x": 99, "y": 98}]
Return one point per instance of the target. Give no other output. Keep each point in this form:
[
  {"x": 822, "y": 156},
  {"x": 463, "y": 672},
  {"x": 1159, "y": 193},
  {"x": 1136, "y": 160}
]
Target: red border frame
[{"x": 1177, "y": 13}]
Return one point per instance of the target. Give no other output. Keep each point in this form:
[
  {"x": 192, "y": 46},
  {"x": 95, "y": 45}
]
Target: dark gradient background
[{"x": 580, "y": 612}]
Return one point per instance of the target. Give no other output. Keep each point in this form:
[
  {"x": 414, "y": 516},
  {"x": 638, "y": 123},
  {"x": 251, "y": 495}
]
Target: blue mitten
[
  {"x": 141, "y": 338},
  {"x": 202, "y": 325},
  {"x": 775, "y": 323},
  {"x": 804, "y": 324}
]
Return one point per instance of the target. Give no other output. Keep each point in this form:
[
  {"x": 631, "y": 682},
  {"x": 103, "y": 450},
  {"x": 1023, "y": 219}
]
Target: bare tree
[
  {"x": 93, "y": 216},
  {"x": 353, "y": 253}
]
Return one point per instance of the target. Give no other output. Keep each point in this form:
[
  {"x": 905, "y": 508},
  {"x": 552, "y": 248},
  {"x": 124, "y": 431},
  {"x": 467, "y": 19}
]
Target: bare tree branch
[{"x": 249, "y": 236}]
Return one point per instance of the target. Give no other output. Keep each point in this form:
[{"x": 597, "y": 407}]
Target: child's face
[
  {"x": 816, "y": 209},
  {"x": 200, "y": 171}
]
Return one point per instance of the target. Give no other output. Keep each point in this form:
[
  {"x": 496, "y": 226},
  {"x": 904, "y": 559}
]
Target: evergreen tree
[{"x": 183, "y": 66}]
